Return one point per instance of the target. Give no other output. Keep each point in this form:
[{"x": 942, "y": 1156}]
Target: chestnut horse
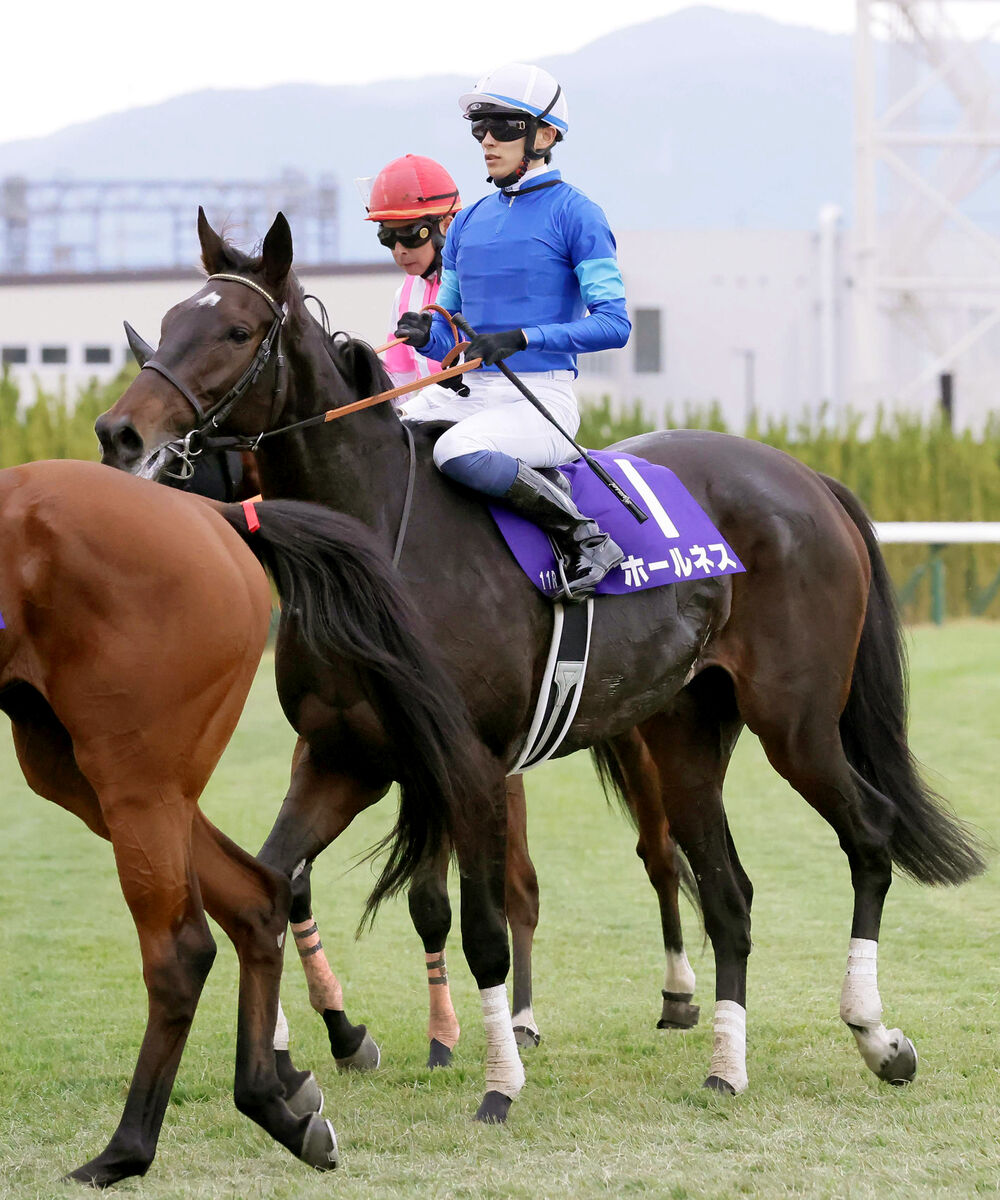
[
  {"x": 132, "y": 620},
  {"x": 804, "y": 648}
]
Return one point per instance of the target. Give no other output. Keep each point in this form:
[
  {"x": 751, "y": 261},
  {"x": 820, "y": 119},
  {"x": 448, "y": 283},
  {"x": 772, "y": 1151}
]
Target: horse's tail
[
  {"x": 615, "y": 786},
  {"x": 927, "y": 842},
  {"x": 348, "y": 604}
]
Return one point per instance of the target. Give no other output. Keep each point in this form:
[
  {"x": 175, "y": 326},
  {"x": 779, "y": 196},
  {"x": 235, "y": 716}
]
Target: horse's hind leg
[
  {"x": 152, "y": 851},
  {"x": 250, "y": 902},
  {"x": 656, "y": 849},
  {"x": 691, "y": 744},
  {"x": 521, "y": 890},
  {"x": 806, "y": 749}
]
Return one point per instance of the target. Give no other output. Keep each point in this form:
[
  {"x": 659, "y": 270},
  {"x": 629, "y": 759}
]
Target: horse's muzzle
[{"x": 121, "y": 443}]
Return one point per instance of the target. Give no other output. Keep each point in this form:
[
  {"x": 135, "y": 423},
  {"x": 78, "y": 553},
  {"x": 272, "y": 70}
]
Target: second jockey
[
  {"x": 533, "y": 269},
  {"x": 413, "y": 199}
]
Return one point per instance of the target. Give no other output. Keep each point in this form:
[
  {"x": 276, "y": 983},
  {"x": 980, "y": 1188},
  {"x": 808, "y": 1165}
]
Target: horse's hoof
[
  {"x": 715, "y": 1083},
  {"x": 678, "y": 1011},
  {"x": 307, "y": 1099},
  {"x": 366, "y": 1058},
  {"x": 440, "y": 1054},
  {"x": 526, "y": 1037},
  {"x": 107, "y": 1169},
  {"x": 319, "y": 1146},
  {"x": 494, "y": 1109},
  {"x": 901, "y": 1068}
]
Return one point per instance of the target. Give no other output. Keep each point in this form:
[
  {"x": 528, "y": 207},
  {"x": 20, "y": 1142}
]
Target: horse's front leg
[
  {"x": 430, "y": 911},
  {"x": 480, "y": 842},
  {"x": 352, "y": 1047},
  {"x": 319, "y": 806}
]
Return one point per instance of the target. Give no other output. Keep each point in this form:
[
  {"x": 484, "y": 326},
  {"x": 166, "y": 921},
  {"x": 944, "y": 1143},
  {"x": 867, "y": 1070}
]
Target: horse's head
[{"x": 217, "y": 361}]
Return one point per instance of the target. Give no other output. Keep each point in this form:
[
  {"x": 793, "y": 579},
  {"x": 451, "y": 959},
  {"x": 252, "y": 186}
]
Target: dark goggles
[
  {"x": 411, "y": 236},
  {"x": 501, "y": 129}
]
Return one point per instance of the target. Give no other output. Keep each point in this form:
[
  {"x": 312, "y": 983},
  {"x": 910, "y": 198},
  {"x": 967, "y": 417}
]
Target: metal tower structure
[
  {"x": 85, "y": 226},
  {"x": 927, "y": 205}
]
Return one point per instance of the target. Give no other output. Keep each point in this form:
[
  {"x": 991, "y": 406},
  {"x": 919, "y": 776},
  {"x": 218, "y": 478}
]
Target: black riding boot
[{"x": 587, "y": 553}]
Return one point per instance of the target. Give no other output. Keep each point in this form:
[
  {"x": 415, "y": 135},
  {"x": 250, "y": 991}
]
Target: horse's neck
[{"x": 355, "y": 464}]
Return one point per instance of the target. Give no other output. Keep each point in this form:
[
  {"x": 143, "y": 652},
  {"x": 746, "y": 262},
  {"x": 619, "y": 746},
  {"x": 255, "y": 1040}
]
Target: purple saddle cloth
[{"x": 677, "y": 542}]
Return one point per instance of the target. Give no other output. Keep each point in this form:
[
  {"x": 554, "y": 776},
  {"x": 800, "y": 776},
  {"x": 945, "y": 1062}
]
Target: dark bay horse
[
  {"x": 132, "y": 620},
  {"x": 805, "y": 648}
]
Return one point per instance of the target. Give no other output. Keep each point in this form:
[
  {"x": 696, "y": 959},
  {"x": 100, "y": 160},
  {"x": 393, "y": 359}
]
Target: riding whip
[{"x": 526, "y": 392}]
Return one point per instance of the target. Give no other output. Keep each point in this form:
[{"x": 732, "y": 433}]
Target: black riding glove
[
  {"x": 492, "y": 347},
  {"x": 416, "y": 328}
]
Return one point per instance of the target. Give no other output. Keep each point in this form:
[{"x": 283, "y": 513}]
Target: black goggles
[
  {"x": 410, "y": 236},
  {"x": 501, "y": 129}
]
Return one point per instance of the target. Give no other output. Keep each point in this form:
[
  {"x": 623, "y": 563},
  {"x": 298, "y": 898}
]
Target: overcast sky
[{"x": 71, "y": 63}]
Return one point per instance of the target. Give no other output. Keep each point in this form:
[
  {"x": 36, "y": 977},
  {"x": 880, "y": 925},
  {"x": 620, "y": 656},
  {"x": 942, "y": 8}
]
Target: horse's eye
[{"x": 239, "y": 335}]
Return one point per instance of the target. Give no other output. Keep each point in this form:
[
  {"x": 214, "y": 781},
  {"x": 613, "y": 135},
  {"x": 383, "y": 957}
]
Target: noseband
[{"x": 272, "y": 340}]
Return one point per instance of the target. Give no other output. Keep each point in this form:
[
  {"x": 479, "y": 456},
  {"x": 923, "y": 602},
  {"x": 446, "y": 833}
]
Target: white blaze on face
[{"x": 211, "y": 300}]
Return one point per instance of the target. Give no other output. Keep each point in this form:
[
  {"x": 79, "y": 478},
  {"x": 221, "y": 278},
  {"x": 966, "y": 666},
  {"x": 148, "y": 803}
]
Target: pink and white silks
[{"x": 402, "y": 362}]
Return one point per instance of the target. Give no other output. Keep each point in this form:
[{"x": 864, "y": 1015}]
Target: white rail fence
[{"x": 937, "y": 536}]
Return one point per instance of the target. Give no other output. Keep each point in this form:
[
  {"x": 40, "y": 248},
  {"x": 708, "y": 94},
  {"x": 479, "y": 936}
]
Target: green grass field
[{"x": 611, "y": 1106}]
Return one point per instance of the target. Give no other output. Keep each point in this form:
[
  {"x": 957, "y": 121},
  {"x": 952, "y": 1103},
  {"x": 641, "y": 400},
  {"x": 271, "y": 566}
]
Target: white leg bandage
[
  {"x": 679, "y": 977},
  {"x": 281, "y": 1030},
  {"x": 729, "y": 1047},
  {"x": 504, "y": 1070},
  {"x": 861, "y": 1006}
]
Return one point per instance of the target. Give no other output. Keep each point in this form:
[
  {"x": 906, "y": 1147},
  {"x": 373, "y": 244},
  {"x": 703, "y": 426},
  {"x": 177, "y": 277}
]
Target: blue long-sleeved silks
[{"x": 536, "y": 262}]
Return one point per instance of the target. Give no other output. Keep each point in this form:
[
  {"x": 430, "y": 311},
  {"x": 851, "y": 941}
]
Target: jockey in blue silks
[{"x": 533, "y": 269}]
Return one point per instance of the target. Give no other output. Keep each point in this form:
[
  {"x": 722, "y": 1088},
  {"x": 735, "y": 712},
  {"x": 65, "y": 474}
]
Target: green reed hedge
[
  {"x": 55, "y": 425},
  {"x": 905, "y": 469}
]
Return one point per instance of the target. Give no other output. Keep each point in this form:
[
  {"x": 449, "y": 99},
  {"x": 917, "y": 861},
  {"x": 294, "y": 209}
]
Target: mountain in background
[{"x": 700, "y": 119}]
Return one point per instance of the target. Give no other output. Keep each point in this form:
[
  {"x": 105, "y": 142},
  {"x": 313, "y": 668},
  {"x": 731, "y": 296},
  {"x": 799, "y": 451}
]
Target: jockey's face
[
  {"x": 501, "y": 158},
  {"x": 413, "y": 260},
  {"x": 504, "y": 158}
]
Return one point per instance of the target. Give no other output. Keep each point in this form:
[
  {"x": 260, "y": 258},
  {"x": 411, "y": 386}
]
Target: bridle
[{"x": 194, "y": 442}]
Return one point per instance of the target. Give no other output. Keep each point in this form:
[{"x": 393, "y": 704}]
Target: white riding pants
[{"x": 495, "y": 416}]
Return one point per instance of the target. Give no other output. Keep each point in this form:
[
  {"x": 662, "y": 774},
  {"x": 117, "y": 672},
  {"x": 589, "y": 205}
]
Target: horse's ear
[
  {"x": 214, "y": 251},
  {"x": 276, "y": 255}
]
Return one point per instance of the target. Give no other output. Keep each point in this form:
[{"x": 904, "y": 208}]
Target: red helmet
[{"x": 412, "y": 186}]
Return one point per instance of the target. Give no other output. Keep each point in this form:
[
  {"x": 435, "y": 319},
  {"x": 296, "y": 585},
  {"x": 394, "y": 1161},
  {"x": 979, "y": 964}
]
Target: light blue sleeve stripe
[
  {"x": 600, "y": 279},
  {"x": 449, "y": 296}
]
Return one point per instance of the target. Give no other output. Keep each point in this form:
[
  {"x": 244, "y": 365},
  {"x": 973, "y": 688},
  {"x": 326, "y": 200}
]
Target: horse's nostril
[
  {"x": 128, "y": 440},
  {"x": 121, "y": 441}
]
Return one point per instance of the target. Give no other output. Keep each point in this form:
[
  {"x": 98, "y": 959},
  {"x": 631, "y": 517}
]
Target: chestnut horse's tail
[
  {"x": 927, "y": 842},
  {"x": 349, "y": 605}
]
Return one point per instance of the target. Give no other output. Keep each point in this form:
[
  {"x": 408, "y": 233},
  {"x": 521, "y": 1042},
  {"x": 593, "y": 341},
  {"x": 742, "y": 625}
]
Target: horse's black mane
[{"x": 357, "y": 361}]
